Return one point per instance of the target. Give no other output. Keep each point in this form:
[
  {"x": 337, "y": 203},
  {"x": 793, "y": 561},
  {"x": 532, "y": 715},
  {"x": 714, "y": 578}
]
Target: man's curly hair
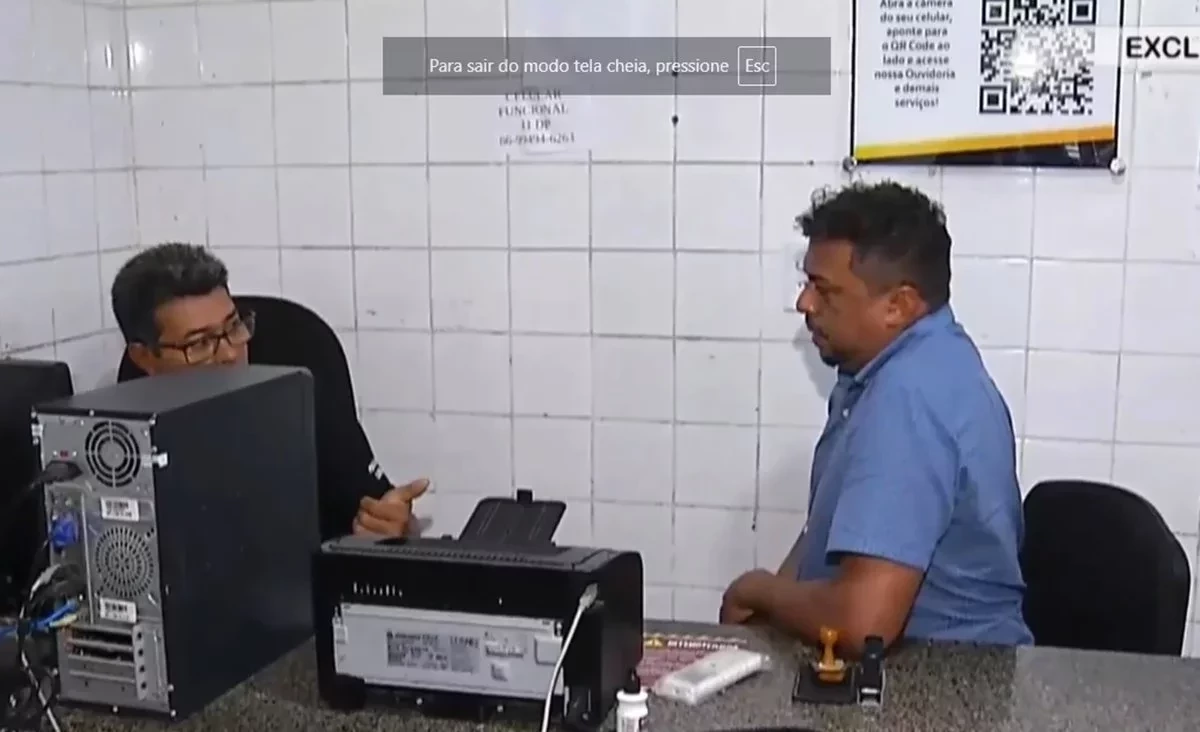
[{"x": 898, "y": 235}]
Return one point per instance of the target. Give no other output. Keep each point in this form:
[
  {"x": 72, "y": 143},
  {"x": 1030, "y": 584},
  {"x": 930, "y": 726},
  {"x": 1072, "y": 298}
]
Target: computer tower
[
  {"x": 23, "y": 384},
  {"x": 194, "y": 518}
]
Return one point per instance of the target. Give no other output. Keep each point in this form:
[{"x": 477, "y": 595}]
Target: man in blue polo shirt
[{"x": 914, "y": 519}]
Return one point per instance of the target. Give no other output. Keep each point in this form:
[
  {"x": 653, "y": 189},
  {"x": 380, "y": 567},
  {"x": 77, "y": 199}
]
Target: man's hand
[
  {"x": 739, "y": 604},
  {"x": 391, "y": 515}
]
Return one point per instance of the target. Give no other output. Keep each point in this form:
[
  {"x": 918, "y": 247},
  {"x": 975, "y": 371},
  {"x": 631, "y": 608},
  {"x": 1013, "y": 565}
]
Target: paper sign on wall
[{"x": 544, "y": 121}]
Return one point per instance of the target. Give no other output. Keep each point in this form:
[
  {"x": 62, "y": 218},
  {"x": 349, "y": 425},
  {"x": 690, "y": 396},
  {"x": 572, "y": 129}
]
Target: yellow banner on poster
[{"x": 985, "y": 143}]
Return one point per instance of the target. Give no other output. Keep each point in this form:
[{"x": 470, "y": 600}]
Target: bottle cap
[{"x": 633, "y": 684}]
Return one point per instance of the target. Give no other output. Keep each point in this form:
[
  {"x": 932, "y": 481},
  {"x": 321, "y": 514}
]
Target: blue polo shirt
[{"x": 917, "y": 465}]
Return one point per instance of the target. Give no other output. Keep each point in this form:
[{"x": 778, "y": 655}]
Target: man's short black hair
[
  {"x": 155, "y": 277},
  {"x": 898, "y": 230}
]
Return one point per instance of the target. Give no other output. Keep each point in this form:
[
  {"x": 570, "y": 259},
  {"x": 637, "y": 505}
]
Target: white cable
[
  {"x": 585, "y": 601},
  {"x": 41, "y": 694},
  {"x": 43, "y": 578}
]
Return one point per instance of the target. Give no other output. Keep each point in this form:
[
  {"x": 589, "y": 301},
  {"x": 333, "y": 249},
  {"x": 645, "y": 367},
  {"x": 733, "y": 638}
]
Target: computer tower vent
[
  {"x": 125, "y": 567},
  {"x": 112, "y": 454}
]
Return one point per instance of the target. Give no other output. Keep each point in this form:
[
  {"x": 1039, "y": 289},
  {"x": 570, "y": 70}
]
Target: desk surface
[{"x": 930, "y": 688}]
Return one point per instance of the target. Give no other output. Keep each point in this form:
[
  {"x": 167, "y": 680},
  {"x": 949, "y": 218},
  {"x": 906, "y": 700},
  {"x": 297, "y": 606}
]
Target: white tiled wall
[
  {"x": 606, "y": 329},
  {"x": 66, "y": 185}
]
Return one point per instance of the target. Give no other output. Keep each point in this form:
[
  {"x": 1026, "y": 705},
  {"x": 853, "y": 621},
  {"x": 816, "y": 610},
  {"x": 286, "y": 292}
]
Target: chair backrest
[
  {"x": 289, "y": 334},
  {"x": 1103, "y": 571}
]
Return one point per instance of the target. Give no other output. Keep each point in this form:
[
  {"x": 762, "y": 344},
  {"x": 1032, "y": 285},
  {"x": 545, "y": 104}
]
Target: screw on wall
[{"x": 674, "y": 117}]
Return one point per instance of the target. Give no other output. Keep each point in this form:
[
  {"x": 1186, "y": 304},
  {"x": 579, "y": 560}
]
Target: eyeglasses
[{"x": 237, "y": 332}]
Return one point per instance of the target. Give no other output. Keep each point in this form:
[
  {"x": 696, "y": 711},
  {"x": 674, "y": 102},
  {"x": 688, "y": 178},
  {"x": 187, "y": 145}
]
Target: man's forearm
[
  {"x": 868, "y": 597},
  {"x": 801, "y": 609}
]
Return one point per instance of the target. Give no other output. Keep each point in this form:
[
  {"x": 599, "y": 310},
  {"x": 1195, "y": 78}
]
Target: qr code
[{"x": 1038, "y": 57}]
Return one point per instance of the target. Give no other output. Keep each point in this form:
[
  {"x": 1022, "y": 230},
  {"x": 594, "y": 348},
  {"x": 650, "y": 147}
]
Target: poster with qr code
[{"x": 986, "y": 82}]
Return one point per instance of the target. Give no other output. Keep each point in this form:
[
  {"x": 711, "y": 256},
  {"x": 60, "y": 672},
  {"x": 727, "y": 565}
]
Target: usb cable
[{"x": 586, "y": 600}]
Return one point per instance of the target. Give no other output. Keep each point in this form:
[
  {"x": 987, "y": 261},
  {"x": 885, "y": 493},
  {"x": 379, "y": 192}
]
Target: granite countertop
[{"x": 930, "y": 688}]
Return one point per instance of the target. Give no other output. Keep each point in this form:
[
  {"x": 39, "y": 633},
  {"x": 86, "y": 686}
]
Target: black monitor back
[{"x": 24, "y": 383}]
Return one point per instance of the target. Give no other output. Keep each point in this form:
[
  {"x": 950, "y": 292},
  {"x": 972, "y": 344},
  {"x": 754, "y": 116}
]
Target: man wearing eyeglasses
[{"x": 174, "y": 309}]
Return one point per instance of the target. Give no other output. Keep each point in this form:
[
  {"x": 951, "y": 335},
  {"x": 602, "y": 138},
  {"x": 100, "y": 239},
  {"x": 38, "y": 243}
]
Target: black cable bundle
[
  {"x": 34, "y": 690},
  {"x": 35, "y": 677},
  {"x": 13, "y": 685},
  {"x": 30, "y": 686}
]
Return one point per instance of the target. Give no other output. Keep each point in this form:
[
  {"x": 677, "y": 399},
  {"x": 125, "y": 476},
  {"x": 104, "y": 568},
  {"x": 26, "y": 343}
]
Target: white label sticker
[
  {"x": 118, "y": 611},
  {"x": 119, "y": 509}
]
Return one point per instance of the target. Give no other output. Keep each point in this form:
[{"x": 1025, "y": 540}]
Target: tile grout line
[
  {"x": 345, "y": 5},
  {"x": 1027, "y": 359},
  {"x": 92, "y": 179},
  {"x": 604, "y": 250},
  {"x": 591, "y": 357},
  {"x": 201, "y": 143},
  {"x": 508, "y": 263},
  {"x": 275, "y": 156},
  {"x": 45, "y": 198},
  {"x": 1116, "y": 407},
  {"x": 433, "y": 379},
  {"x": 762, "y": 291},
  {"x": 726, "y": 163},
  {"x": 674, "y": 519}
]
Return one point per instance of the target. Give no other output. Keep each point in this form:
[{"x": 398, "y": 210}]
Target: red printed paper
[{"x": 664, "y": 653}]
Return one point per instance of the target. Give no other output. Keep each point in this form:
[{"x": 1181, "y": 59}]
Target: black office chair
[
  {"x": 289, "y": 334},
  {"x": 1103, "y": 571}
]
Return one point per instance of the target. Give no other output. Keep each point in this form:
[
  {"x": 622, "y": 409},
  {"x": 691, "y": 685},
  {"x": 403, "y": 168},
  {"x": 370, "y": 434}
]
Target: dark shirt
[{"x": 346, "y": 466}]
